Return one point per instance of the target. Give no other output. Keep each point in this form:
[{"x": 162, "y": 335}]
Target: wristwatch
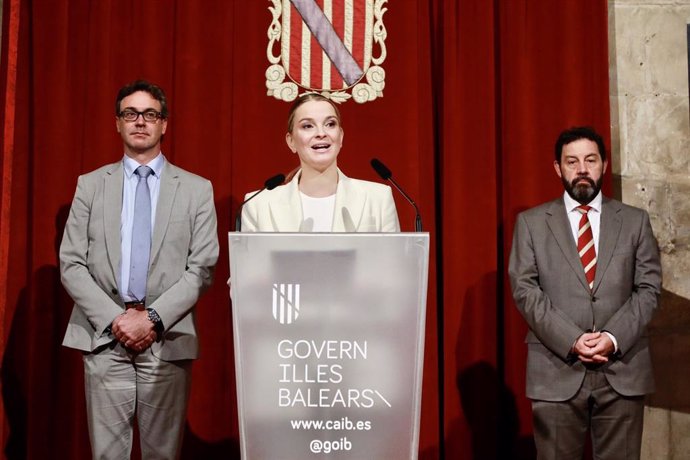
[{"x": 155, "y": 318}]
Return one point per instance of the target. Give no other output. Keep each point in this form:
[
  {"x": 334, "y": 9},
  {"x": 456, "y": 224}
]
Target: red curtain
[{"x": 476, "y": 92}]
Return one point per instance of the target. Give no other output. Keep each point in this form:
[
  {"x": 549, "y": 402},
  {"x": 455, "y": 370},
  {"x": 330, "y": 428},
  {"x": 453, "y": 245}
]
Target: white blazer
[{"x": 360, "y": 206}]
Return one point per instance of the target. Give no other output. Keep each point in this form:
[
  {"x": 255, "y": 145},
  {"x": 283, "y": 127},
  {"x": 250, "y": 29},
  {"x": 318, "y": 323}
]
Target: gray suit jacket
[
  {"x": 551, "y": 292},
  {"x": 184, "y": 250},
  {"x": 360, "y": 206}
]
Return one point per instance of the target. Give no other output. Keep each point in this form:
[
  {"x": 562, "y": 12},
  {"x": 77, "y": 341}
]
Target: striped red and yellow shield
[{"x": 326, "y": 44}]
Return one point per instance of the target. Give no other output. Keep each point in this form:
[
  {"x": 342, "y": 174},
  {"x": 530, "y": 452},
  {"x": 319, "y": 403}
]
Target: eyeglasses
[{"x": 150, "y": 115}]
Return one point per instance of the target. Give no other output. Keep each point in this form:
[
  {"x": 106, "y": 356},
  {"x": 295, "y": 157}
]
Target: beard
[{"x": 582, "y": 189}]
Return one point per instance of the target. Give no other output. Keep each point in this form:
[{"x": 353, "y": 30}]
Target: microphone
[
  {"x": 270, "y": 184},
  {"x": 386, "y": 174}
]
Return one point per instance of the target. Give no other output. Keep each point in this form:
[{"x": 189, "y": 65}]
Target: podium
[{"x": 329, "y": 343}]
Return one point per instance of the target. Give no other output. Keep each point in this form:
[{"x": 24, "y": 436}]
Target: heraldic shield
[{"x": 333, "y": 47}]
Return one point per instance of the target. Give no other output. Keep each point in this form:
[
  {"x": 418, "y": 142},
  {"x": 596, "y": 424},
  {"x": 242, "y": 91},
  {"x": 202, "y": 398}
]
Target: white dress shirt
[
  {"x": 574, "y": 216},
  {"x": 594, "y": 216}
]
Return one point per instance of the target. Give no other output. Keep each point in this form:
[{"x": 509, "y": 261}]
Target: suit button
[
  {"x": 113, "y": 290},
  {"x": 594, "y": 299}
]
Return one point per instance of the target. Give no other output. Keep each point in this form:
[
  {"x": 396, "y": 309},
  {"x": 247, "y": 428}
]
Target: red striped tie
[{"x": 585, "y": 246}]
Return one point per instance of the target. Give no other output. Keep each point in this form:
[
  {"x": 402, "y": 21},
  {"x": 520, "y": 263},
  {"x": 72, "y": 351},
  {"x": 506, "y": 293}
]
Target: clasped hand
[
  {"x": 134, "y": 330},
  {"x": 593, "y": 347}
]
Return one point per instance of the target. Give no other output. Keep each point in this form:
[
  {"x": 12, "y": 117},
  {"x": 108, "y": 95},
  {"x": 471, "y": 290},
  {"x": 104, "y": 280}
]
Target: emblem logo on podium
[{"x": 286, "y": 302}]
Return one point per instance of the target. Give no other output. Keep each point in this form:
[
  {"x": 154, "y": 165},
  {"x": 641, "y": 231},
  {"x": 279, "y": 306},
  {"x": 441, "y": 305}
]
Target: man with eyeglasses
[{"x": 139, "y": 248}]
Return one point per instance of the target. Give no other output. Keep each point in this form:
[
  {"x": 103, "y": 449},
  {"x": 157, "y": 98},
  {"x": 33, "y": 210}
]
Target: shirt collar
[
  {"x": 571, "y": 204},
  {"x": 156, "y": 165}
]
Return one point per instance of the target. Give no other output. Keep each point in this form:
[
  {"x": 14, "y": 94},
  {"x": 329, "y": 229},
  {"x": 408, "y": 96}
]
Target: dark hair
[
  {"x": 304, "y": 98},
  {"x": 142, "y": 85},
  {"x": 575, "y": 134}
]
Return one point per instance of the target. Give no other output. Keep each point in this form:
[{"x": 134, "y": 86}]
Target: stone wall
[{"x": 650, "y": 140}]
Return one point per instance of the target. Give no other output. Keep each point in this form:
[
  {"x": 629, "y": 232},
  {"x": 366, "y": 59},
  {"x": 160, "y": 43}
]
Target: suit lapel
[
  {"x": 609, "y": 230},
  {"x": 557, "y": 220},
  {"x": 349, "y": 205},
  {"x": 112, "y": 216},
  {"x": 166, "y": 199},
  {"x": 283, "y": 215}
]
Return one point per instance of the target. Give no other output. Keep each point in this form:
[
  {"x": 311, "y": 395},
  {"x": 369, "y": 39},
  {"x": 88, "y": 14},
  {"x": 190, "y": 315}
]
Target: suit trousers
[
  {"x": 121, "y": 384},
  {"x": 614, "y": 421}
]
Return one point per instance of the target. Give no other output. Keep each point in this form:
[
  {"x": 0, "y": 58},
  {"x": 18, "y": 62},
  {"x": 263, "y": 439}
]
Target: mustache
[{"x": 574, "y": 182}]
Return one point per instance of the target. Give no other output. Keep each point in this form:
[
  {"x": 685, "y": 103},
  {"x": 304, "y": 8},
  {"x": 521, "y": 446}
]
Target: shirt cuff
[{"x": 613, "y": 339}]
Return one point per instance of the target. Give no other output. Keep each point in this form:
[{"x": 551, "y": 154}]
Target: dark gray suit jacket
[
  {"x": 184, "y": 250},
  {"x": 551, "y": 292}
]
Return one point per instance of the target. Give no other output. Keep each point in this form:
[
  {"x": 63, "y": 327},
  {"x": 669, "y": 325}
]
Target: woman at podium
[{"x": 319, "y": 197}]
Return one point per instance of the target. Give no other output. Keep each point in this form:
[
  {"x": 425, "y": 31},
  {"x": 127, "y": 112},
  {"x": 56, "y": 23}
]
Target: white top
[{"x": 317, "y": 213}]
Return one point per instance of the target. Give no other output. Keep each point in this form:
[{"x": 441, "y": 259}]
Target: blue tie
[{"x": 141, "y": 236}]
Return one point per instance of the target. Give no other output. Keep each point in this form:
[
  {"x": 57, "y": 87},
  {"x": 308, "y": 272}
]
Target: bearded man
[{"x": 586, "y": 276}]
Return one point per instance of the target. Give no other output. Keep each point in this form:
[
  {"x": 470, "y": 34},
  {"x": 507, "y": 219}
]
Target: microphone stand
[{"x": 270, "y": 184}]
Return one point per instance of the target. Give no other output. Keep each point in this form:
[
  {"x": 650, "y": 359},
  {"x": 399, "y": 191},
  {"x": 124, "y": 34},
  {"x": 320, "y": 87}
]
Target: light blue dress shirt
[{"x": 127, "y": 217}]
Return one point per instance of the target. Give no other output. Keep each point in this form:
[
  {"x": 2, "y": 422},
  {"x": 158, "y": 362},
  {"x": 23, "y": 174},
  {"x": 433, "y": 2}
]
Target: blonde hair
[{"x": 303, "y": 99}]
